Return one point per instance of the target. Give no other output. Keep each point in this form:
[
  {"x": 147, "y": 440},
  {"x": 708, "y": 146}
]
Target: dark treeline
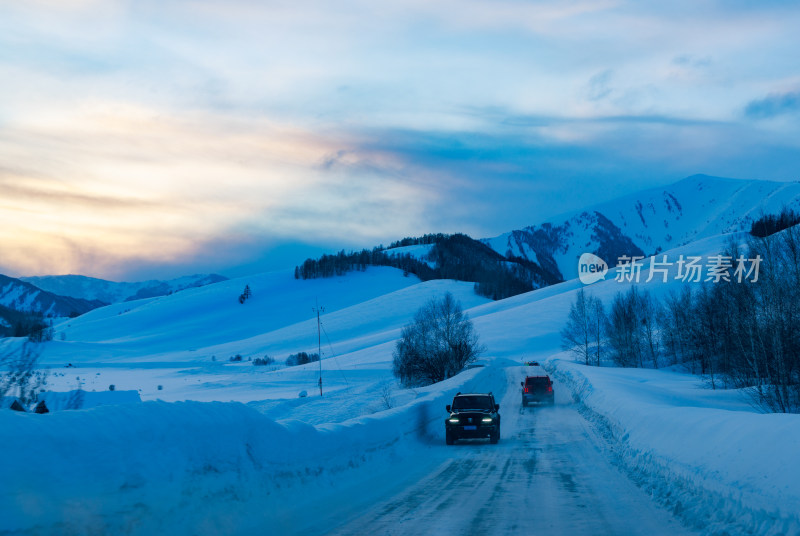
[
  {"x": 736, "y": 334},
  {"x": 455, "y": 256},
  {"x": 21, "y": 324},
  {"x": 773, "y": 223},
  {"x": 426, "y": 239},
  {"x": 301, "y": 358}
]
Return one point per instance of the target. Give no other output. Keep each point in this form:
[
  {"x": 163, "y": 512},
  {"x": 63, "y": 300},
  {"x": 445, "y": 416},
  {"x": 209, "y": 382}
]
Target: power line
[
  {"x": 319, "y": 310},
  {"x": 333, "y": 354}
]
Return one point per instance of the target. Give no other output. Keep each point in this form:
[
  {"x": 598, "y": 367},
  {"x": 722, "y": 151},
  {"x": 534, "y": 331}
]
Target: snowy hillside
[
  {"x": 90, "y": 288},
  {"x": 648, "y": 222},
  {"x": 279, "y": 318}
]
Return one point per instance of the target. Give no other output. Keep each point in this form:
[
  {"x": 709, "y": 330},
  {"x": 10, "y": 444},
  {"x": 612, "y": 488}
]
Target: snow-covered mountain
[
  {"x": 24, "y": 297},
  {"x": 90, "y": 288},
  {"x": 648, "y": 222}
]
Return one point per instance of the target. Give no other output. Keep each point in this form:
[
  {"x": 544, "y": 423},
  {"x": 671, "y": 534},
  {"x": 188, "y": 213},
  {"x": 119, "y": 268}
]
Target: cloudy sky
[{"x": 145, "y": 139}]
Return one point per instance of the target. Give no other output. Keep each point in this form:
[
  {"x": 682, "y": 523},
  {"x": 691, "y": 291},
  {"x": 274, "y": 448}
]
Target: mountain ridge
[
  {"x": 23, "y": 306},
  {"x": 647, "y": 222},
  {"x": 91, "y": 288}
]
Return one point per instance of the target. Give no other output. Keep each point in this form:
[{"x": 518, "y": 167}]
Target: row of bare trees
[{"x": 736, "y": 334}]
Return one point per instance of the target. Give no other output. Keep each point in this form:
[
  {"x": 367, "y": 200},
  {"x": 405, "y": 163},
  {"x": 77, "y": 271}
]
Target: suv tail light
[
  {"x": 527, "y": 389},
  {"x": 549, "y": 387}
]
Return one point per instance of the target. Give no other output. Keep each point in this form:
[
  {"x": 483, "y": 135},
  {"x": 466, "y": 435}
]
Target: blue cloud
[
  {"x": 774, "y": 105},
  {"x": 600, "y": 85}
]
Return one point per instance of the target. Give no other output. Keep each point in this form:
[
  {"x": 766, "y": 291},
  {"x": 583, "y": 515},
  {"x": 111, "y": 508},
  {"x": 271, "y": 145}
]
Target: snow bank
[
  {"x": 80, "y": 399},
  {"x": 723, "y": 470},
  {"x": 191, "y": 466}
]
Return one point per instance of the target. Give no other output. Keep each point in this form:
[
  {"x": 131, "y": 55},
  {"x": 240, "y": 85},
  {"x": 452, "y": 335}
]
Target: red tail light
[
  {"x": 549, "y": 387},
  {"x": 527, "y": 389}
]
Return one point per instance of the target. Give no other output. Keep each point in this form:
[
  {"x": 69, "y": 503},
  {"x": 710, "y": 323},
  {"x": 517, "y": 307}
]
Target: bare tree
[
  {"x": 623, "y": 330},
  {"x": 437, "y": 345},
  {"x": 676, "y": 324},
  {"x": 597, "y": 323},
  {"x": 386, "y": 396},
  {"x": 649, "y": 310},
  {"x": 18, "y": 373},
  {"x": 766, "y": 337},
  {"x": 632, "y": 328},
  {"x": 575, "y": 335},
  {"x": 583, "y": 333}
]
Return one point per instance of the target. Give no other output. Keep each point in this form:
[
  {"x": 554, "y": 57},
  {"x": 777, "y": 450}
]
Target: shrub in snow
[
  {"x": 42, "y": 334},
  {"x": 386, "y": 396},
  {"x": 245, "y": 295},
  {"x": 301, "y": 358},
  {"x": 236, "y": 357},
  {"x": 437, "y": 345},
  {"x": 262, "y": 361},
  {"x": 112, "y": 387},
  {"x": 302, "y": 394},
  {"x": 160, "y": 387}
]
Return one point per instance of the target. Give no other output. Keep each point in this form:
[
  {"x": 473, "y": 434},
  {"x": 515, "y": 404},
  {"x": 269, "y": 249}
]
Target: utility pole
[{"x": 319, "y": 310}]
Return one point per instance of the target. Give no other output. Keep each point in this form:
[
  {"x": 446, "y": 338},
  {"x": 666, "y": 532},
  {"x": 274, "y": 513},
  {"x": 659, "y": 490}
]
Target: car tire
[
  {"x": 495, "y": 437},
  {"x": 448, "y": 438},
  {"x": 524, "y": 403}
]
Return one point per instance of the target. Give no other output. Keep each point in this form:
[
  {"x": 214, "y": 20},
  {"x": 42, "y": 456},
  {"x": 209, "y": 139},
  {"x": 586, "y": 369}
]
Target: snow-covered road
[{"x": 550, "y": 474}]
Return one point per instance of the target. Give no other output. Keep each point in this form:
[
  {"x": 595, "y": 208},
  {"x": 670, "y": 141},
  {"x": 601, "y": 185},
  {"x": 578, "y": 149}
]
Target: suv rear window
[
  {"x": 472, "y": 402},
  {"x": 540, "y": 381}
]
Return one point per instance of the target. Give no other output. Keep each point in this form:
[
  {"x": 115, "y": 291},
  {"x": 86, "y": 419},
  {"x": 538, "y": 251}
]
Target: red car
[{"x": 537, "y": 389}]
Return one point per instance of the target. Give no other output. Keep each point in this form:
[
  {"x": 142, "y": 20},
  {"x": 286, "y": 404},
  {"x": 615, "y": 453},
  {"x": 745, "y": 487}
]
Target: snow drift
[
  {"x": 193, "y": 467},
  {"x": 711, "y": 459}
]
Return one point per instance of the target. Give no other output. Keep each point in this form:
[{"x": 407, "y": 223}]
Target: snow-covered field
[{"x": 229, "y": 447}]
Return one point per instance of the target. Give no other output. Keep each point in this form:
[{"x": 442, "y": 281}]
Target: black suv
[{"x": 472, "y": 416}]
